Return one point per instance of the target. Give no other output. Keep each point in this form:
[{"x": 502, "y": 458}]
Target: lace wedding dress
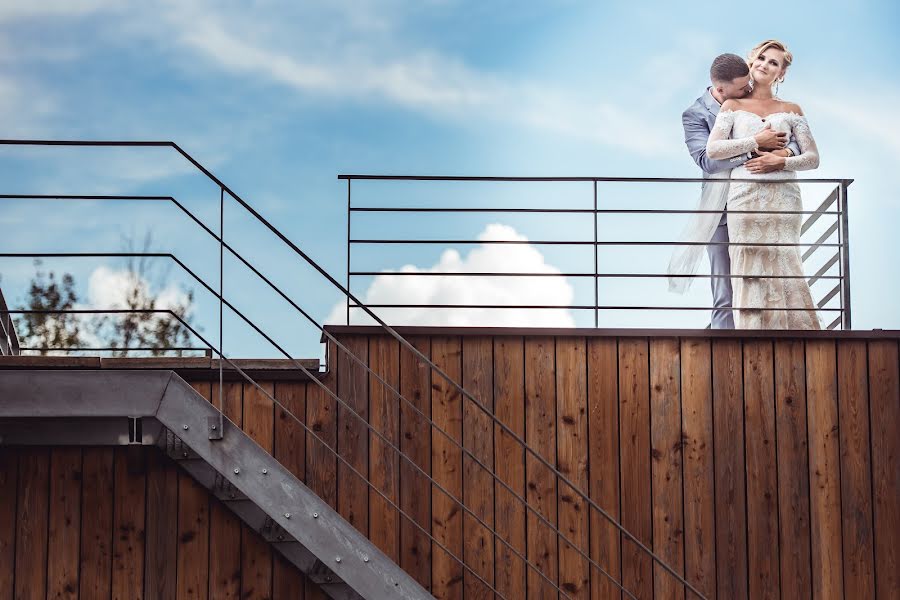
[{"x": 767, "y": 272}]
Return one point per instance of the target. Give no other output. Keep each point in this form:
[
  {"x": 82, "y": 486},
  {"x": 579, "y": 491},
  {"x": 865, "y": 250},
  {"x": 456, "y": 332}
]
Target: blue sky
[{"x": 277, "y": 98}]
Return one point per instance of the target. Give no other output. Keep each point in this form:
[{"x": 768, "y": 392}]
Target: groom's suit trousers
[{"x": 720, "y": 264}]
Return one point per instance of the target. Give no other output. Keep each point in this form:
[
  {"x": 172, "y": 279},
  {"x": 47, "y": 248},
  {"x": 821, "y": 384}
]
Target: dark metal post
[
  {"x": 348, "y": 251},
  {"x": 845, "y": 256},
  {"x": 596, "y": 273},
  {"x": 221, "y": 431}
]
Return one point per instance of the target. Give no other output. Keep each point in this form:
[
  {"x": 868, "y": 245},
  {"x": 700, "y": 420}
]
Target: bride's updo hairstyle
[{"x": 759, "y": 49}]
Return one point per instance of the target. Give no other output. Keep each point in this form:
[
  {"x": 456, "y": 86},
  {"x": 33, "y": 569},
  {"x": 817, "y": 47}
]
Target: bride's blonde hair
[{"x": 760, "y": 48}]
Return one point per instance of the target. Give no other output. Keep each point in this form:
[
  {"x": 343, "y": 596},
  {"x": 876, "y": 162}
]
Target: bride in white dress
[{"x": 766, "y": 267}]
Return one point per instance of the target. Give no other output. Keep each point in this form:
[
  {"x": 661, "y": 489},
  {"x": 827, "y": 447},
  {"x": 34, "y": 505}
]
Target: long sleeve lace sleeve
[
  {"x": 809, "y": 153},
  {"x": 720, "y": 144}
]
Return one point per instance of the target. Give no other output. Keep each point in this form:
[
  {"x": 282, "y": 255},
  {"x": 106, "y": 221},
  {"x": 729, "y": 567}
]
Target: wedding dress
[{"x": 767, "y": 273}]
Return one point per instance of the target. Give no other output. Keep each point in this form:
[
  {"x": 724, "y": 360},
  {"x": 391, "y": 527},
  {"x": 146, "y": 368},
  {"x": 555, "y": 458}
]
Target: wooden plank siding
[{"x": 754, "y": 468}]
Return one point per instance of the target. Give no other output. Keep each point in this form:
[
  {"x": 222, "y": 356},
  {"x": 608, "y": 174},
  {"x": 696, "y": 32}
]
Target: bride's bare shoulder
[
  {"x": 731, "y": 104},
  {"x": 792, "y": 107}
]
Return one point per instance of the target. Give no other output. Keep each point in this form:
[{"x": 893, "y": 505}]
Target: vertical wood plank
[
  {"x": 884, "y": 398},
  {"x": 415, "y": 443},
  {"x": 478, "y": 482},
  {"x": 64, "y": 523},
  {"x": 290, "y": 450},
  {"x": 31, "y": 517},
  {"x": 384, "y": 359},
  {"x": 603, "y": 431},
  {"x": 224, "y": 526},
  {"x": 762, "y": 480},
  {"x": 321, "y": 443},
  {"x": 666, "y": 465},
  {"x": 856, "y": 483},
  {"x": 192, "y": 573},
  {"x": 509, "y": 403},
  {"x": 256, "y": 556},
  {"x": 161, "y": 556},
  {"x": 699, "y": 473},
  {"x": 793, "y": 468},
  {"x": 540, "y": 436},
  {"x": 129, "y": 470},
  {"x": 824, "y": 469},
  {"x": 728, "y": 435},
  {"x": 97, "y": 523},
  {"x": 9, "y": 474},
  {"x": 446, "y": 461},
  {"x": 634, "y": 414},
  {"x": 353, "y": 435},
  {"x": 572, "y": 459}
]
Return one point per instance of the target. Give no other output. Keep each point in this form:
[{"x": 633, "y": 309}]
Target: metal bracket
[
  {"x": 273, "y": 532},
  {"x": 214, "y": 429},
  {"x": 176, "y": 449},
  {"x": 225, "y": 491}
]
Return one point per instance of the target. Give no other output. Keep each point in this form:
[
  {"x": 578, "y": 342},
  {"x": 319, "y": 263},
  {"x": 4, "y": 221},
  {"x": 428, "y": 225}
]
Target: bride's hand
[{"x": 766, "y": 162}]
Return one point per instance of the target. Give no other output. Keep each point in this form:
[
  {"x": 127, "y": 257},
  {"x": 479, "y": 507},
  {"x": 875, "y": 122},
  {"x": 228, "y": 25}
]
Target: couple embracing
[{"x": 740, "y": 130}]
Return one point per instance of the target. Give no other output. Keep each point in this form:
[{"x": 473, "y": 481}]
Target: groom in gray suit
[{"x": 730, "y": 78}]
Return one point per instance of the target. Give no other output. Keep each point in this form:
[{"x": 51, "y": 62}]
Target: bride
[{"x": 770, "y": 289}]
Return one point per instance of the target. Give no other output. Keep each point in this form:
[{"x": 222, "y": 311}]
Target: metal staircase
[{"x": 158, "y": 408}]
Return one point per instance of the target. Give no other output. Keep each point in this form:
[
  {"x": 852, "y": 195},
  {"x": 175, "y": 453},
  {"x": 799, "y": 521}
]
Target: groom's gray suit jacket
[{"x": 698, "y": 121}]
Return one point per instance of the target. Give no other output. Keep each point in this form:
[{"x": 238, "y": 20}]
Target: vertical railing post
[
  {"x": 596, "y": 273},
  {"x": 845, "y": 256},
  {"x": 348, "y": 251},
  {"x": 221, "y": 431}
]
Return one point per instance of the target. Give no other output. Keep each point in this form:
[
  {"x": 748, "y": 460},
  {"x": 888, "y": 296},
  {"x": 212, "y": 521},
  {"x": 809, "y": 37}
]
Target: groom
[{"x": 730, "y": 78}]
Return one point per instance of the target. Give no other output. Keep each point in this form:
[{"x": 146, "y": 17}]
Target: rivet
[
  {"x": 337, "y": 559},
  {"x": 213, "y": 427},
  {"x": 315, "y": 515},
  {"x": 185, "y": 427},
  {"x": 328, "y": 578},
  {"x": 184, "y": 454},
  {"x": 365, "y": 559},
  {"x": 265, "y": 471},
  {"x": 236, "y": 470},
  {"x": 287, "y": 515},
  {"x": 280, "y": 537}
]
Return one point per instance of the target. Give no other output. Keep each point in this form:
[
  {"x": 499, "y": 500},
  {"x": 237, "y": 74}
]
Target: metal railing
[
  {"x": 834, "y": 240},
  {"x": 374, "y": 377}
]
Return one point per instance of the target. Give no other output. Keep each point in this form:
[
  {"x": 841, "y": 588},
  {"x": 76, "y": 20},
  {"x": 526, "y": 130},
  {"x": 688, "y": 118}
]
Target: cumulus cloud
[{"x": 431, "y": 289}]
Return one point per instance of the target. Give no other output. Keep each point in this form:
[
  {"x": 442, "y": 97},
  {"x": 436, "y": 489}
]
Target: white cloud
[
  {"x": 119, "y": 289},
  {"x": 437, "y": 289}
]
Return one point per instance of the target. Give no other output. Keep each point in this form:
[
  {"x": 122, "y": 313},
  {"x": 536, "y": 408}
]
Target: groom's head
[{"x": 730, "y": 76}]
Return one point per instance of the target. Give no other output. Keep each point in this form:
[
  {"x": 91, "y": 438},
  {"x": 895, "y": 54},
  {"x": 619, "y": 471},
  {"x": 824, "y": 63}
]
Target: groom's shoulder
[{"x": 694, "y": 110}]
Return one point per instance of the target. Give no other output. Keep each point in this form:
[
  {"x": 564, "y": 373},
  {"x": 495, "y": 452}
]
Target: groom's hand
[
  {"x": 766, "y": 162},
  {"x": 769, "y": 139}
]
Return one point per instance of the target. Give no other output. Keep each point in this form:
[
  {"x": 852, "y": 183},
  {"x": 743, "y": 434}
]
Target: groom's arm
[{"x": 696, "y": 134}]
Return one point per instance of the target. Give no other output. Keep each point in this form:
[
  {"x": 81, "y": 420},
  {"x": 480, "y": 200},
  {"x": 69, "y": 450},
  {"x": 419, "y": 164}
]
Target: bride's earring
[{"x": 775, "y": 92}]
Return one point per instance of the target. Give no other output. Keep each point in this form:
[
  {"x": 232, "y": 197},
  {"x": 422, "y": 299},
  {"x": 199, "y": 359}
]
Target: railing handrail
[{"x": 586, "y": 179}]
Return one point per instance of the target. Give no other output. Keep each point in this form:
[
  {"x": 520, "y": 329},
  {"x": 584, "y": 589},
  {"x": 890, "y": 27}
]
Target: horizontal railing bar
[
  {"x": 588, "y": 211},
  {"x": 589, "y": 243},
  {"x": 80, "y": 197},
  {"x": 584, "y": 179},
  {"x": 117, "y": 349},
  {"x": 578, "y": 307},
  {"x": 595, "y": 275}
]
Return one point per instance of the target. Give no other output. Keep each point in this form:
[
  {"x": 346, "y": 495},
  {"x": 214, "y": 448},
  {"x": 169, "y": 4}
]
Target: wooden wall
[
  {"x": 126, "y": 524},
  {"x": 755, "y": 468}
]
